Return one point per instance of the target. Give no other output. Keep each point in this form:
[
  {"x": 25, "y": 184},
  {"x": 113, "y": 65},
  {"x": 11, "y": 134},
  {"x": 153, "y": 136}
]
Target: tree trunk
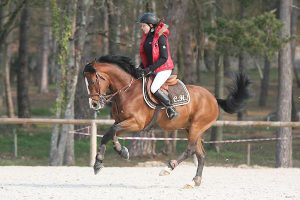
[
  {"x": 23, "y": 77},
  {"x": 180, "y": 60},
  {"x": 142, "y": 148},
  {"x": 294, "y": 22},
  {"x": 284, "y": 145},
  {"x": 199, "y": 38},
  {"x": 8, "y": 95},
  {"x": 217, "y": 132},
  {"x": 2, "y": 50},
  {"x": 209, "y": 59},
  {"x": 113, "y": 27},
  {"x": 45, "y": 49},
  {"x": 242, "y": 58},
  {"x": 53, "y": 68},
  {"x": 175, "y": 17},
  {"x": 209, "y": 49},
  {"x": 105, "y": 39},
  {"x": 81, "y": 106},
  {"x": 5, "y": 53},
  {"x": 187, "y": 57},
  {"x": 62, "y": 148},
  {"x": 227, "y": 68},
  {"x": 135, "y": 53},
  {"x": 264, "y": 85},
  {"x": 64, "y": 34},
  {"x": 10, "y": 18}
]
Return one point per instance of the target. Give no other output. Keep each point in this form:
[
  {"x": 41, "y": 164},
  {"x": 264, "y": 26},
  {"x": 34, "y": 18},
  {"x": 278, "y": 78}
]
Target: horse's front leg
[
  {"x": 121, "y": 150},
  {"x": 111, "y": 134},
  {"x": 126, "y": 125},
  {"x": 102, "y": 148}
]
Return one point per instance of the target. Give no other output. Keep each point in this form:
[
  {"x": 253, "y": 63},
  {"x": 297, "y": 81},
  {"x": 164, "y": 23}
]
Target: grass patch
[{"x": 34, "y": 146}]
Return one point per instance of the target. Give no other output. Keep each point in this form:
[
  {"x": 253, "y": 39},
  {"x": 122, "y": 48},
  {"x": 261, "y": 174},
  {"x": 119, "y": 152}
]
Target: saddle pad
[{"x": 178, "y": 94}]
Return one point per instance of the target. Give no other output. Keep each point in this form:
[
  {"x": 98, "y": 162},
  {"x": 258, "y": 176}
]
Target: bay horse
[{"x": 117, "y": 74}]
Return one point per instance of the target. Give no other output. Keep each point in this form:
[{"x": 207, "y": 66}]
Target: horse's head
[{"x": 97, "y": 84}]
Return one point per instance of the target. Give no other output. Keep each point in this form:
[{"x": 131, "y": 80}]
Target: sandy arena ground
[{"x": 144, "y": 183}]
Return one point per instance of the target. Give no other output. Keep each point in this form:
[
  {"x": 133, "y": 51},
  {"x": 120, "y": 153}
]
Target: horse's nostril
[{"x": 94, "y": 104}]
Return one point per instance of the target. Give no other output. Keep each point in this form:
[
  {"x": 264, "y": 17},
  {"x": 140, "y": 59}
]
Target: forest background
[{"x": 46, "y": 43}]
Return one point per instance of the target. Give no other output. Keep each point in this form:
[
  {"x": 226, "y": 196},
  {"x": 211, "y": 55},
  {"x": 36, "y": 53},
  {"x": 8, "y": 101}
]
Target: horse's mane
[{"x": 123, "y": 62}]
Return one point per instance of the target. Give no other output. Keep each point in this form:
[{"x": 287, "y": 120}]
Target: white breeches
[{"x": 160, "y": 79}]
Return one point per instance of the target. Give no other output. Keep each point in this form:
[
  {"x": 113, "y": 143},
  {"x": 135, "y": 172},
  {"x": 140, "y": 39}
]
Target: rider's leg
[{"x": 158, "y": 81}]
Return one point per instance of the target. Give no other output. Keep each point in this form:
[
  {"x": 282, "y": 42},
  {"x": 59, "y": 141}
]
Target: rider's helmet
[{"x": 148, "y": 18}]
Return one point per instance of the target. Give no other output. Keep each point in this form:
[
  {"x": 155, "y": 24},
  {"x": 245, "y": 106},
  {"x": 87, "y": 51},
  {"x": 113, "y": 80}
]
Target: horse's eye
[{"x": 91, "y": 82}]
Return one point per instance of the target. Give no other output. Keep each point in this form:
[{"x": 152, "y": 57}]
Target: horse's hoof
[
  {"x": 197, "y": 180},
  {"x": 166, "y": 171},
  {"x": 98, "y": 166},
  {"x": 124, "y": 153},
  {"x": 190, "y": 185},
  {"x": 195, "y": 183}
]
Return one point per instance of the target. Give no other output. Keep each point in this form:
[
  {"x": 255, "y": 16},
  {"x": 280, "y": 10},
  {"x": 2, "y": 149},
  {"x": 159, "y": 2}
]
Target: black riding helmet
[{"x": 148, "y": 18}]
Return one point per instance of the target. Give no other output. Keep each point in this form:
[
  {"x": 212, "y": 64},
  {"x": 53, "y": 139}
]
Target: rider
[{"x": 156, "y": 57}]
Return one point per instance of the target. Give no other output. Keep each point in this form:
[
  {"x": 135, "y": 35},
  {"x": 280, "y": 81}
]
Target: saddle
[{"x": 173, "y": 87}]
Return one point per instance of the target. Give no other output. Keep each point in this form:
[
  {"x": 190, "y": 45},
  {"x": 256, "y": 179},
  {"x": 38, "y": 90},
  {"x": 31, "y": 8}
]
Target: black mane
[
  {"x": 89, "y": 68},
  {"x": 122, "y": 61}
]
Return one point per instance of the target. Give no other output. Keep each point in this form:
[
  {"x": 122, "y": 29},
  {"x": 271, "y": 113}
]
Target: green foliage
[
  {"x": 62, "y": 31},
  {"x": 257, "y": 35}
]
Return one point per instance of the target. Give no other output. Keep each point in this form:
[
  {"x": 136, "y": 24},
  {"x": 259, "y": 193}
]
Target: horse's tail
[{"x": 238, "y": 93}]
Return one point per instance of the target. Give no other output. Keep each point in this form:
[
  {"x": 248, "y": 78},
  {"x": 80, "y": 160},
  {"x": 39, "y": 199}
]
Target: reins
[{"x": 109, "y": 97}]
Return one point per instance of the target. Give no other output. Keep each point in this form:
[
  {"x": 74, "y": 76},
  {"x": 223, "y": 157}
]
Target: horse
[{"x": 117, "y": 75}]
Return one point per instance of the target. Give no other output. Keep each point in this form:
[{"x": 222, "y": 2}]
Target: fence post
[
  {"x": 93, "y": 142},
  {"x": 15, "y": 143},
  {"x": 248, "y": 154}
]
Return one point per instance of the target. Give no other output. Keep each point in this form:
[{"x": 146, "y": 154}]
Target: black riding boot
[{"x": 164, "y": 99}]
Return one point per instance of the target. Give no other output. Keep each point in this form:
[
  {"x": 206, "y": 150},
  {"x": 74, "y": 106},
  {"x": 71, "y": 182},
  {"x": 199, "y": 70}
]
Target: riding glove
[{"x": 147, "y": 72}]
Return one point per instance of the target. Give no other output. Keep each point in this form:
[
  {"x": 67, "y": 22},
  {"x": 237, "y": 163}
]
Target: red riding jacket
[{"x": 161, "y": 29}]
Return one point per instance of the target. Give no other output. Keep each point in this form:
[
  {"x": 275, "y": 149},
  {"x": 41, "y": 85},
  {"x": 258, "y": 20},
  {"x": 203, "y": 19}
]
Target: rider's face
[{"x": 145, "y": 28}]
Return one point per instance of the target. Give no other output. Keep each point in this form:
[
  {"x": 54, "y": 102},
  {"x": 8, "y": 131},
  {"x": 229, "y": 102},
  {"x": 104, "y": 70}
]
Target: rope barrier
[{"x": 184, "y": 139}]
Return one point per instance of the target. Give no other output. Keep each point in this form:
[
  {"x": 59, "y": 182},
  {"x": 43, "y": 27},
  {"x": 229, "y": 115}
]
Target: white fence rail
[{"x": 94, "y": 123}]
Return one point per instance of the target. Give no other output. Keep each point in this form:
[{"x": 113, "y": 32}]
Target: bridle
[{"x": 102, "y": 97}]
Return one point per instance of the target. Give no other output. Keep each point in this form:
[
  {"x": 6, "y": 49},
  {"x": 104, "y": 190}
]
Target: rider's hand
[{"x": 147, "y": 72}]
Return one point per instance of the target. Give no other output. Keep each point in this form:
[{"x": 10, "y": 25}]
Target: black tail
[{"x": 238, "y": 93}]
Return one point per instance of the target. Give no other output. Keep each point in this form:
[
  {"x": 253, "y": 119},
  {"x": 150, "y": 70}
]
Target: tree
[
  {"x": 9, "y": 12},
  {"x": 45, "y": 49},
  {"x": 23, "y": 81},
  {"x": 217, "y": 132},
  {"x": 284, "y": 107},
  {"x": 264, "y": 86},
  {"x": 113, "y": 26},
  {"x": 8, "y": 94},
  {"x": 175, "y": 12},
  {"x": 255, "y": 36},
  {"x": 70, "y": 37},
  {"x": 242, "y": 55}
]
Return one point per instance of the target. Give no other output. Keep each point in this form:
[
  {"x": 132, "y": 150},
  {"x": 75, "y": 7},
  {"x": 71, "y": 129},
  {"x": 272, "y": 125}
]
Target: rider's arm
[{"x": 163, "y": 53}]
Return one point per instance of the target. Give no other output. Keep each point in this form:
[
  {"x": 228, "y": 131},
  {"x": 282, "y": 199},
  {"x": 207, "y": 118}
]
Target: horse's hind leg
[
  {"x": 200, "y": 157},
  {"x": 190, "y": 150}
]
